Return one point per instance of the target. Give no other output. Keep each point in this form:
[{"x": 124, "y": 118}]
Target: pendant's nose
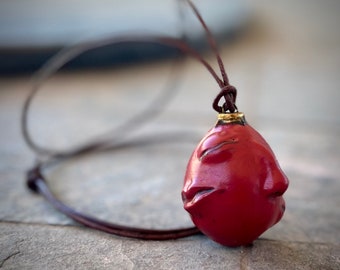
[{"x": 276, "y": 182}]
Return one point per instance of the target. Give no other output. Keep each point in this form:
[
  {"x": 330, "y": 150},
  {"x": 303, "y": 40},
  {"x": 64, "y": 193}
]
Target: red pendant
[{"x": 233, "y": 185}]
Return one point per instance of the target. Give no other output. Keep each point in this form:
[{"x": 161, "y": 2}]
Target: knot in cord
[
  {"x": 34, "y": 175},
  {"x": 229, "y": 93}
]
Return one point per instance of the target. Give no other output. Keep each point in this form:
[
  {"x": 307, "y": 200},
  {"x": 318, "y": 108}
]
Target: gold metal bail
[{"x": 231, "y": 118}]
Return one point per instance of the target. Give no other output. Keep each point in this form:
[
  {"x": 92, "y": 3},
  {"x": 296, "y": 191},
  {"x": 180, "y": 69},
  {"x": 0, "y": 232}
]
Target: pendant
[{"x": 233, "y": 184}]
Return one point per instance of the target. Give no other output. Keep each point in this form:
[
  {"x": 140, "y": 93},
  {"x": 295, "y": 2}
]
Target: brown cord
[
  {"x": 229, "y": 93},
  {"x": 37, "y": 183},
  {"x": 59, "y": 60},
  {"x": 212, "y": 43},
  {"x": 35, "y": 178}
]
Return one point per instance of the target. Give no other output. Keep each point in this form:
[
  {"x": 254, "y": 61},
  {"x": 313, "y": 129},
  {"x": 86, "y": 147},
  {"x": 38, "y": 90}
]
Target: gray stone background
[{"x": 286, "y": 68}]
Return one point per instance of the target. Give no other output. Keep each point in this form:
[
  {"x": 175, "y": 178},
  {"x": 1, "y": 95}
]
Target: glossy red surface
[{"x": 233, "y": 185}]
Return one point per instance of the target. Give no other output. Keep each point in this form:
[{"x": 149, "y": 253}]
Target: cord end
[{"x": 32, "y": 176}]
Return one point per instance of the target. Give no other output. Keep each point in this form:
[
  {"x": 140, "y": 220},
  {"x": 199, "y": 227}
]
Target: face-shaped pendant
[{"x": 233, "y": 184}]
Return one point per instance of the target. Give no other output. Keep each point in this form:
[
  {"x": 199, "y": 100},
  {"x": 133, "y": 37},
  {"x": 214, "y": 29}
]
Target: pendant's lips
[
  {"x": 281, "y": 211},
  {"x": 195, "y": 194}
]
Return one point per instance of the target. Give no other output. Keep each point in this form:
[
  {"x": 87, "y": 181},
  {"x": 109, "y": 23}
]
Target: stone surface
[
  {"x": 27, "y": 246},
  {"x": 286, "y": 71}
]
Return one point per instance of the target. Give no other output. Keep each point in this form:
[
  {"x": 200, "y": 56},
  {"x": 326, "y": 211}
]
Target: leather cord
[
  {"x": 36, "y": 180},
  {"x": 37, "y": 183}
]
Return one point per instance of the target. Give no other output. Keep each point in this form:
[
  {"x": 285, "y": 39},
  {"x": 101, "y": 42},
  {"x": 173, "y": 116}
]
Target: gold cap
[{"x": 231, "y": 118}]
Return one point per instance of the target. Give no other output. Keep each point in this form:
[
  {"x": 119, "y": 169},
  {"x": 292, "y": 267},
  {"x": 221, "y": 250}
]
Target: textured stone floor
[{"x": 286, "y": 68}]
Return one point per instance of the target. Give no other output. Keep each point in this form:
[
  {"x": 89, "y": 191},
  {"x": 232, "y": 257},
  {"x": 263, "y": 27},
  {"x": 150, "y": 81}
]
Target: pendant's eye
[{"x": 216, "y": 150}]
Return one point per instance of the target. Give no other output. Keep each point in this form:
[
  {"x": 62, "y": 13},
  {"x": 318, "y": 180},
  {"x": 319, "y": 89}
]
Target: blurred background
[
  {"x": 282, "y": 56},
  {"x": 286, "y": 39},
  {"x": 33, "y": 31}
]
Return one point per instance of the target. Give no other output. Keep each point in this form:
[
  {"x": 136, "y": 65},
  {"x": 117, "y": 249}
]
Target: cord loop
[{"x": 229, "y": 94}]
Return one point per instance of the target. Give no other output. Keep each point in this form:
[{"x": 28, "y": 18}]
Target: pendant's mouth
[
  {"x": 194, "y": 195},
  {"x": 281, "y": 211}
]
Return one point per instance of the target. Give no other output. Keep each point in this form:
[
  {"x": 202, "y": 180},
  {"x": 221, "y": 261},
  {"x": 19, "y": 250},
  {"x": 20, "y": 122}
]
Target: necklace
[{"x": 233, "y": 184}]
